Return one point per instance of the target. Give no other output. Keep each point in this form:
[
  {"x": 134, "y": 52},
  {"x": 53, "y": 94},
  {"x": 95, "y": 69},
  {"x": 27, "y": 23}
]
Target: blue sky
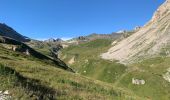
[{"x": 41, "y": 19}]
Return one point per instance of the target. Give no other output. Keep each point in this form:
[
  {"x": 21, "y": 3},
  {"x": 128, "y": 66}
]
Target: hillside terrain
[
  {"x": 9, "y": 32},
  {"x": 85, "y": 59},
  {"x": 152, "y": 40},
  {"x": 29, "y": 77},
  {"x": 145, "y": 54},
  {"x": 46, "y": 47},
  {"x": 128, "y": 65}
]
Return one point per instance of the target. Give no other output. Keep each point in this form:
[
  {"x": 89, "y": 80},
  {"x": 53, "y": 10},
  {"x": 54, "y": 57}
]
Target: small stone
[
  {"x": 6, "y": 92},
  {"x": 138, "y": 82}
]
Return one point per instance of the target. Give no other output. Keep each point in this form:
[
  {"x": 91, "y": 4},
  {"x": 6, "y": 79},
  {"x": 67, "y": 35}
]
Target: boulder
[{"x": 138, "y": 81}]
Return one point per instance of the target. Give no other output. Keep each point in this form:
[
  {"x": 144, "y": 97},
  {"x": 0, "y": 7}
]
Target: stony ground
[{"x": 5, "y": 95}]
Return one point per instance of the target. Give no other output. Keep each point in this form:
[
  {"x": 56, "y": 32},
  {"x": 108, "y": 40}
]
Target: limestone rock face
[
  {"x": 151, "y": 40},
  {"x": 161, "y": 11}
]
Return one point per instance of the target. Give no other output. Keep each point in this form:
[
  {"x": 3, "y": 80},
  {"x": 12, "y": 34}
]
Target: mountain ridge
[
  {"x": 10, "y": 32},
  {"x": 147, "y": 42}
]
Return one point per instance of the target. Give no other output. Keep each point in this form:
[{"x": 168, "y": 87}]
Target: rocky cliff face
[
  {"x": 9, "y": 32},
  {"x": 161, "y": 11},
  {"x": 151, "y": 40}
]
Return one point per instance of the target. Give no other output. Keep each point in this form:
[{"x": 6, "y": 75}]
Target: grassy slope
[
  {"x": 88, "y": 61},
  {"x": 151, "y": 70},
  {"x": 42, "y": 47},
  {"x": 33, "y": 78}
]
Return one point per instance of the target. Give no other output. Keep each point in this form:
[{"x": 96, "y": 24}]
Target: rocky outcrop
[
  {"x": 161, "y": 11},
  {"x": 166, "y": 76},
  {"x": 149, "y": 41},
  {"x": 4, "y": 95},
  {"x": 54, "y": 40},
  {"x": 138, "y": 81}
]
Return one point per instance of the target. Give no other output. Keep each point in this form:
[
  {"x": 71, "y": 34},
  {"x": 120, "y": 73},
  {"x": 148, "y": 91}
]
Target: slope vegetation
[
  {"x": 27, "y": 77},
  {"x": 85, "y": 59},
  {"x": 153, "y": 71}
]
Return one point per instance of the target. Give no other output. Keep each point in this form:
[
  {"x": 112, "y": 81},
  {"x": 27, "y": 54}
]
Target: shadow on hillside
[{"x": 21, "y": 47}]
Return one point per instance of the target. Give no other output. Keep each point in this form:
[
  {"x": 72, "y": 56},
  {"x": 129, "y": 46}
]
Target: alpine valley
[{"x": 125, "y": 65}]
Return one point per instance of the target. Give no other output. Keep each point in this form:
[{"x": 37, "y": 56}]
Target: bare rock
[
  {"x": 166, "y": 76},
  {"x": 5, "y": 95},
  {"x": 138, "y": 81}
]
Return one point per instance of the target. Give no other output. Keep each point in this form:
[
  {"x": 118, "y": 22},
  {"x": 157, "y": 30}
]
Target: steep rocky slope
[{"x": 151, "y": 40}]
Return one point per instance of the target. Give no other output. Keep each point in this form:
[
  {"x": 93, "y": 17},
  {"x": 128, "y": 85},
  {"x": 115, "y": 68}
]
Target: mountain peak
[
  {"x": 162, "y": 11},
  {"x": 7, "y": 31}
]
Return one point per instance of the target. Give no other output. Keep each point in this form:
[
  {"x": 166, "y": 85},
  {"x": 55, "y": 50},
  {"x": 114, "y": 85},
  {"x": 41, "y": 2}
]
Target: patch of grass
[
  {"x": 89, "y": 63},
  {"x": 150, "y": 70},
  {"x": 31, "y": 86}
]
